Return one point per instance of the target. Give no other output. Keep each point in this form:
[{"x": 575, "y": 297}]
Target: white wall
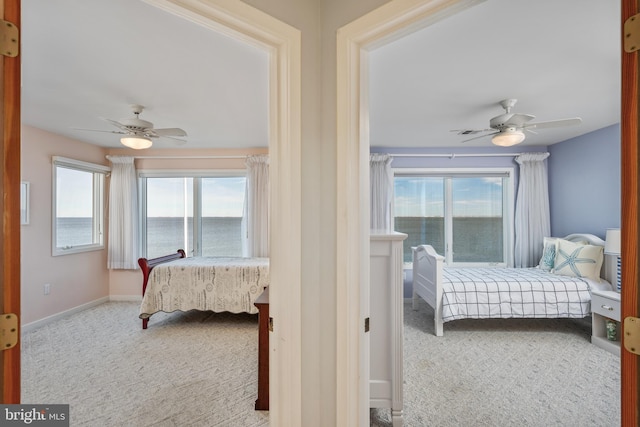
[
  {"x": 318, "y": 22},
  {"x": 75, "y": 279}
]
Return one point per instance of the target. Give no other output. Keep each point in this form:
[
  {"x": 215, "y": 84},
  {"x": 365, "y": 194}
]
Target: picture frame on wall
[{"x": 24, "y": 203}]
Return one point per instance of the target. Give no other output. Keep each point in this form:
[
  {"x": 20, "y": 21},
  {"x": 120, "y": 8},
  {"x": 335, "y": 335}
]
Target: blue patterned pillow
[{"x": 547, "y": 261}]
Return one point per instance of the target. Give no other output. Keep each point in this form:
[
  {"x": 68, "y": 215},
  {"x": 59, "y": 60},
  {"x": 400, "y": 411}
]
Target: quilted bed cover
[
  {"x": 205, "y": 283},
  {"x": 482, "y": 293}
]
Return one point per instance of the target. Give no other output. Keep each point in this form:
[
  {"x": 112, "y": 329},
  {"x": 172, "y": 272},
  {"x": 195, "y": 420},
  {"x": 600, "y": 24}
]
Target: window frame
[
  {"x": 508, "y": 207},
  {"x": 100, "y": 173},
  {"x": 143, "y": 174}
]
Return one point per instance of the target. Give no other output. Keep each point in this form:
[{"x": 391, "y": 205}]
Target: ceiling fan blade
[
  {"x": 518, "y": 120},
  {"x": 469, "y": 131},
  {"x": 116, "y": 124},
  {"x": 510, "y": 120},
  {"x": 479, "y": 136},
  {"x": 169, "y": 132},
  {"x": 555, "y": 123},
  {"x": 98, "y": 130}
]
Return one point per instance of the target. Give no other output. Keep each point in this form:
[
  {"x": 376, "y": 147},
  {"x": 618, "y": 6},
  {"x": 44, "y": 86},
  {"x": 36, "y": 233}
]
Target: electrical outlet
[{"x": 47, "y": 288}]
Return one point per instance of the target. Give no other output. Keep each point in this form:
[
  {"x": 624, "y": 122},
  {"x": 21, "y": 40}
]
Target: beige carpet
[
  {"x": 200, "y": 369},
  {"x": 194, "y": 369},
  {"x": 506, "y": 372}
]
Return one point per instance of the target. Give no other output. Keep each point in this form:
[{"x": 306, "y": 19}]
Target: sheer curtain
[
  {"x": 255, "y": 220},
  {"x": 532, "y": 218},
  {"x": 123, "y": 214},
  {"x": 381, "y": 178}
]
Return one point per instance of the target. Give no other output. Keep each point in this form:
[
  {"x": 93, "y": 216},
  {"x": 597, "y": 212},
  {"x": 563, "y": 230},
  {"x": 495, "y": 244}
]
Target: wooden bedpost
[{"x": 146, "y": 265}]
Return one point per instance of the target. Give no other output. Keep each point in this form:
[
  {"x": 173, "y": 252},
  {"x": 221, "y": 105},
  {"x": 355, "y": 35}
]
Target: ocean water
[
  {"x": 475, "y": 239},
  {"x": 221, "y": 236}
]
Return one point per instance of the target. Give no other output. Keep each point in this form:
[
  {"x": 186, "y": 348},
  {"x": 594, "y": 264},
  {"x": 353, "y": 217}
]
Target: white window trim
[
  {"x": 508, "y": 200},
  {"x": 98, "y": 204}
]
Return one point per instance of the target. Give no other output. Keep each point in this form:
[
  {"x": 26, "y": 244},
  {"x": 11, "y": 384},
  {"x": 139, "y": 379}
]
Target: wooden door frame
[
  {"x": 10, "y": 183},
  {"x": 629, "y": 225}
]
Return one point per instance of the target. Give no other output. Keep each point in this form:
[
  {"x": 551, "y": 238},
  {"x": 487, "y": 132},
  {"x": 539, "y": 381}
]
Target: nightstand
[{"x": 605, "y": 305}]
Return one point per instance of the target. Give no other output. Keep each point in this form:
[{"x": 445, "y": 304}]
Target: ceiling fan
[
  {"x": 508, "y": 128},
  {"x": 138, "y": 133}
]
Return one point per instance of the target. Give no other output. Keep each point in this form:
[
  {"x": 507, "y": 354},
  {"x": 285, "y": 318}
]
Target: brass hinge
[
  {"x": 9, "y": 39},
  {"x": 631, "y": 331},
  {"x": 8, "y": 331},
  {"x": 366, "y": 324},
  {"x": 631, "y": 34},
  {"x": 270, "y": 324}
]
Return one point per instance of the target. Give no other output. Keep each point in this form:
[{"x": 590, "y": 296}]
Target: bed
[
  {"x": 559, "y": 287},
  {"x": 179, "y": 283}
]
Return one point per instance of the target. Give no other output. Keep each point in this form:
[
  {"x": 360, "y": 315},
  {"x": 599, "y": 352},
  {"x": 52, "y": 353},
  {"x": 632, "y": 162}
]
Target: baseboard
[
  {"x": 126, "y": 298},
  {"x": 38, "y": 323}
]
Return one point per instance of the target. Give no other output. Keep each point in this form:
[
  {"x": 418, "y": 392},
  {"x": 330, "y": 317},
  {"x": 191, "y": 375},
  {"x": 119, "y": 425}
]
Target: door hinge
[
  {"x": 9, "y": 39},
  {"x": 8, "y": 331},
  {"x": 366, "y": 324},
  {"x": 270, "y": 324},
  {"x": 631, "y": 34},
  {"x": 631, "y": 331}
]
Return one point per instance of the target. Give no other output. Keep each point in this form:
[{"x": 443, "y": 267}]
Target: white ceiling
[{"x": 91, "y": 59}]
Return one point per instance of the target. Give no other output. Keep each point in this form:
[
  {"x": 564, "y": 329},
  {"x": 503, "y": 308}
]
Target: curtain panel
[
  {"x": 532, "y": 217},
  {"x": 381, "y": 178},
  {"x": 123, "y": 214},
  {"x": 255, "y": 221}
]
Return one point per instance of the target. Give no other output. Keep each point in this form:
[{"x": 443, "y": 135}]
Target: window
[
  {"x": 78, "y": 200},
  {"x": 200, "y": 214},
  {"x": 466, "y": 216}
]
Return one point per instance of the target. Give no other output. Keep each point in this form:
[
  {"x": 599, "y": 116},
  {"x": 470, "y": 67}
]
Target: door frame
[
  {"x": 283, "y": 43},
  {"x": 629, "y": 224},
  {"x": 10, "y": 182},
  {"x": 387, "y": 23}
]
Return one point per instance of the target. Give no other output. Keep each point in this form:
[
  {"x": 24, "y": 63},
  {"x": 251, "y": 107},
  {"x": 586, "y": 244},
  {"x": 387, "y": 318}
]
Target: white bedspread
[
  {"x": 204, "y": 283},
  {"x": 481, "y": 293}
]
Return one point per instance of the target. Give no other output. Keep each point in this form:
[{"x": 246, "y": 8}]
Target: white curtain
[
  {"x": 255, "y": 221},
  {"x": 123, "y": 214},
  {"x": 381, "y": 178},
  {"x": 532, "y": 218}
]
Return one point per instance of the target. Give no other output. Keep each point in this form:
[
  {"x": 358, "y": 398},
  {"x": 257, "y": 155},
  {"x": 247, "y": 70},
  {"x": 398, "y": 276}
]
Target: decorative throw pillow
[
  {"x": 574, "y": 259},
  {"x": 548, "y": 253}
]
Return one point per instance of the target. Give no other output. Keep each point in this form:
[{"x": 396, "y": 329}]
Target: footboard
[
  {"x": 427, "y": 281},
  {"x": 146, "y": 265}
]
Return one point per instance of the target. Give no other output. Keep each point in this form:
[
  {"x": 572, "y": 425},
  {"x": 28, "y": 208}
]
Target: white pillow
[{"x": 574, "y": 259}]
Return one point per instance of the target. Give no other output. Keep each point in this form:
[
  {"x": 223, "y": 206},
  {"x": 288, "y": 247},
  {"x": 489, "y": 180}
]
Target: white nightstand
[{"x": 605, "y": 305}]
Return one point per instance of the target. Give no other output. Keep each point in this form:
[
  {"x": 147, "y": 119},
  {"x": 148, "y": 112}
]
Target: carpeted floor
[
  {"x": 193, "y": 369},
  {"x": 200, "y": 369}
]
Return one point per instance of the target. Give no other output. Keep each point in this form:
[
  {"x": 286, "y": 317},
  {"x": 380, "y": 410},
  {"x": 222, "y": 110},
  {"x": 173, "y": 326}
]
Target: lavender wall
[{"x": 584, "y": 183}]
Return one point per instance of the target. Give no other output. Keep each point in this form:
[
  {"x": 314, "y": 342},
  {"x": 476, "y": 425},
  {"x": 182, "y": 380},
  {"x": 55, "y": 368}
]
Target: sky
[
  {"x": 424, "y": 196},
  {"x": 222, "y": 197},
  {"x": 74, "y": 193}
]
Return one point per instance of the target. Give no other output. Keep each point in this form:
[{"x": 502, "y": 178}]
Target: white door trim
[
  {"x": 383, "y": 25},
  {"x": 283, "y": 42}
]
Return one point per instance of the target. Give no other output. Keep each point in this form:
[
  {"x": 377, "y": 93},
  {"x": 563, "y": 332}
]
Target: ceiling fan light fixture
[
  {"x": 508, "y": 137},
  {"x": 136, "y": 142}
]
